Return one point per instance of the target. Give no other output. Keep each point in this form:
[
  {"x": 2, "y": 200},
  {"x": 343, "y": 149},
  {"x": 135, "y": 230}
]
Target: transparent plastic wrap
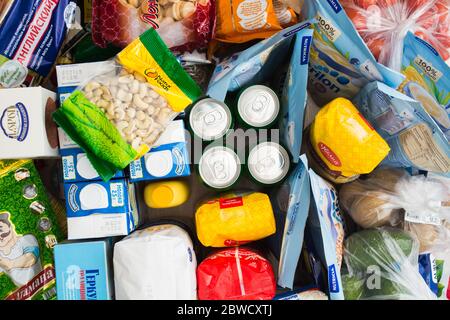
[
  {"x": 392, "y": 197},
  {"x": 183, "y": 25},
  {"x": 235, "y": 274},
  {"x": 235, "y": 219},
  {"x": 383, "y": 24},
  {"x": 118, "y": 115},
  {"x": 382, "y": 264}
]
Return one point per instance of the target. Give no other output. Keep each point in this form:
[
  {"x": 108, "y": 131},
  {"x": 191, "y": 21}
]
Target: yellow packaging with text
[
  {"x": 235, "y": 219},
  {"x": 345, "y": 141}
]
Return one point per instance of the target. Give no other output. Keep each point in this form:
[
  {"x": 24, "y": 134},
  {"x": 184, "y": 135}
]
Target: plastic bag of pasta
[
  {"x": 117, "y": 116},
  {"x": 382, "y": 264}
]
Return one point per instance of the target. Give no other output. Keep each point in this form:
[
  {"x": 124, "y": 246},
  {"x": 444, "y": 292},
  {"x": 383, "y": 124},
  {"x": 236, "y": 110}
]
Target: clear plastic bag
[
  {"x": 117, "y": 116},
  {"x": 383, "y": 24},
  {"x": 388, "y": 196},
  {"x": 382, "y": 264}
]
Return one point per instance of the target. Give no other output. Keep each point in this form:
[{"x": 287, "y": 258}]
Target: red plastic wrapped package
[
  {"x": 383, "y": 24},
  {"x": 183, "y": 25},
  {"x": 235, "y": 274}
]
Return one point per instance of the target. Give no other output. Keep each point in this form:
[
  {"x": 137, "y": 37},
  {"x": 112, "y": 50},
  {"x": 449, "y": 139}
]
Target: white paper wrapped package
[{"x": 156, "y": 263}]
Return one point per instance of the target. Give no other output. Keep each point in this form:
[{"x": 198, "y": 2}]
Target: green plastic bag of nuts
[{"x": 28, "y": 233}]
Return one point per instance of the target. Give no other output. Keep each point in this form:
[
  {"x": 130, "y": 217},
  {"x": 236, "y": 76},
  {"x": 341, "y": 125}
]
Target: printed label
[
  {"x": 12, "y": 74},
  {"x": 332, "y": 279},
  {"x": 428, "y": 218},
  {"x": 329, "y": 154},
  {"x": 71, "y": 198},
  {"x": 36, "y": 31},
  {"x": 179, "y": 160},
  {"x": 306, "y": 44},
  {"x": 335, "y": 5},
  {"x": 68, "y": 168},
  {"x": 80, "y": 284},
  {"x": 38, "y": 283},
  {"x": 136, "y": 170},
  {"x": 15, "y": 122},
  {"x": 328, "y": 28},
  {"x": 117, "y": 194},
  {"x": 231, "y": 203},
  {"x": 428, "y": 68}
]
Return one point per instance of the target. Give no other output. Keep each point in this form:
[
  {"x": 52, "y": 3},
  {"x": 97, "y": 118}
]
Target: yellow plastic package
[
  {"x": 235, "y": 219},
  {"x": 343, "y": 143},
  {"x": 240, "y": 21}
]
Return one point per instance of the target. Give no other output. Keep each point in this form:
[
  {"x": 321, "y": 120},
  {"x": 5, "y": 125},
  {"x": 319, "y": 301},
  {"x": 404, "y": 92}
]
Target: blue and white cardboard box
[
  {"x": 169, "y": 158},
  {"x": 71, "y": 76},
  {"x": 84, "y": 270},
  {"x": 97, "y": 209},
  {"x": 77, "y": 167}
]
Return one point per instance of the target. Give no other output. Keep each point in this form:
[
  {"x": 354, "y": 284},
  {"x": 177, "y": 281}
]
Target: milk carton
[
  {"x": 97, "y": 209},
  {"x": 168, "y": 159},
  {"x": 84, "y": 270},
  {"x": 27, "y": 130}
]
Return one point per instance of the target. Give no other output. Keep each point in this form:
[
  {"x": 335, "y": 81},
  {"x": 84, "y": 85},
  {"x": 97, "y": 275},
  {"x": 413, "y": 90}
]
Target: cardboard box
[
  {"x": 27, "y": 129},
  {"x": 84, "y": 270},
  {"x": 78, "y": 168},
  {"x": 168, "y": 159},
  {"x": 98, "y": 209}
]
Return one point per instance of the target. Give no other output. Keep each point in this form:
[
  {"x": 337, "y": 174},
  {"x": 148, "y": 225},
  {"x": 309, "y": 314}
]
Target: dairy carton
[
  {"x": 97, "y": 209},
  {"x": 71, "y": 76},
  {"x": 77, "y": 167},
  {"x": 27, "y": 130},
  {"x": 168, "y": 159},
  {"x": 84, "y": 270}
]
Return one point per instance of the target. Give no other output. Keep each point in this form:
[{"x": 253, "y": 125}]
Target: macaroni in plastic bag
[
  {"x": 414, "y": 137},
  {"x": 117, "y": 116},
  {"x": 382, "y": 264},
  {"x": 383, "y": 24},
  {"x": 235, "y": 219}
]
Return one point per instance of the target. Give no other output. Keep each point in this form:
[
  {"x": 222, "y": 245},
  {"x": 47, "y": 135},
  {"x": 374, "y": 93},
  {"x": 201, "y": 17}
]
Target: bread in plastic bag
[
  {"x": 117, "y": 116},
  {"x": 383, "y": 197},
  {"x": 156, "y": 263},
  {"x": 235, "y": 274},
  {"x": 183, "y": 25},
  {"x": 234, "y": 219},
  {"x": 383, "y": 24},
  {"x": 382, "y": 264}
]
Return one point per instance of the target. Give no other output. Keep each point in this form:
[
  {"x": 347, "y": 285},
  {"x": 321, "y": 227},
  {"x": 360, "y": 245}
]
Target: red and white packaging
[
  {"x": 183, "y": 25},
  {"x": 235, "y": 274},
  {"x": 383, "y": 24}
]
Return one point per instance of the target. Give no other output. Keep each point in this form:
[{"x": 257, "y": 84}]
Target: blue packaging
[
  {"x": 428, "y": 271},
  {"x": 33, "y": 31},
  {"x": 414, "y": 137},
  {"x": 98, "y": 209},
  {"x": 326, "y": 229},
  {"x": 169, "y": 158},
  {"x": 427, "y": 79},
  {"x": 84, "y": 270},
  {"x": 77, "y": 167},
  {"x": 340, "y": 62},
  {"x": 291, "y": 206},
  {"x": 254, "y": 64},
  {"x": 293, "y": 96}
]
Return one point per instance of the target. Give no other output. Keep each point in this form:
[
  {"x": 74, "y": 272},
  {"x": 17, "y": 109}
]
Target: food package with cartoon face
[{"x": 28, "y": 234}]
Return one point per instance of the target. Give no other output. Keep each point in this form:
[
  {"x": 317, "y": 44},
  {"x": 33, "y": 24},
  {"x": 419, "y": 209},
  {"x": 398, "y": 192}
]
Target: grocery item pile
[{"x": 224, "y": 150}]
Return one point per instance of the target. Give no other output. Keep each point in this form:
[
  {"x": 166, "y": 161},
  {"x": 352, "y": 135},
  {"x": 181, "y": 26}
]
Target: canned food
[
  {"x": 210, "y": 119},
  {"x": 258, "y": 106},
  {"x": 268, "y": 163},
  {"x": 219, "y": 167}
]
